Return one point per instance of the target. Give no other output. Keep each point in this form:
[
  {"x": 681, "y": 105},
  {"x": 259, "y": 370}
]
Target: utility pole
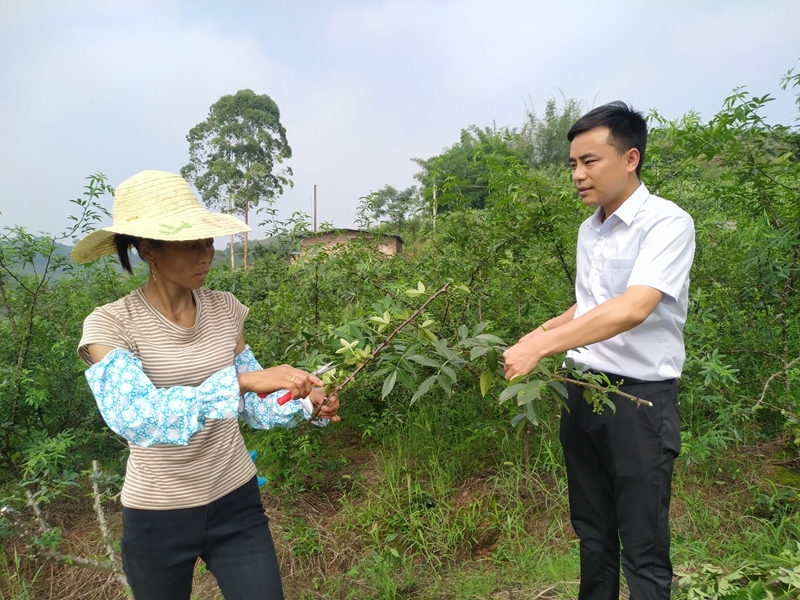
[
  {"x": 315, "y": 208},
  {"x": 230, "y": 211}
]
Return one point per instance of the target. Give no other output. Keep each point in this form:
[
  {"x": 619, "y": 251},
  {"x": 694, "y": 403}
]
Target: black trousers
[
  {"x": 231, "y": 535},
  {"x": 619, "y": 470}
]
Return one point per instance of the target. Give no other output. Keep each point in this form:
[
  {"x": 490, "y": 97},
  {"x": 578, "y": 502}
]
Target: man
[{"x": 633, "y": 259}]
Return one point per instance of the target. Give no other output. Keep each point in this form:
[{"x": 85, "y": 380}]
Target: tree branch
[{"x": 378, "y": 350}]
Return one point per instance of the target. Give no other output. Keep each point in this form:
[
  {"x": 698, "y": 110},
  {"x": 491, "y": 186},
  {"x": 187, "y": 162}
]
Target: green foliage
[{"x": 49, "y": 424}]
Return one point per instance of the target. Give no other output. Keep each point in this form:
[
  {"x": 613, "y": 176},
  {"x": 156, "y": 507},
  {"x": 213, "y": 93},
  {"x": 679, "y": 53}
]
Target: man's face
[{"x": 600, "y": 174}]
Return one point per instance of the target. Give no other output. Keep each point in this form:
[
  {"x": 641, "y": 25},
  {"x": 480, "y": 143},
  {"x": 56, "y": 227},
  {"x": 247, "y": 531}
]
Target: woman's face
[{"x": 184, "y": 264}]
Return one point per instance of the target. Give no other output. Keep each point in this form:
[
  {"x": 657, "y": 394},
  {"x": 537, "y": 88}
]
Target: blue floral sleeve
[
  {"x": 145, "y": 415},
  {"x": 265, "y": 413}
]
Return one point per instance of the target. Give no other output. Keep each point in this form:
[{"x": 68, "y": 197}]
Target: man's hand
[
  {"x": 523, "y": 356},
  {"x": 330, "y": 410}
]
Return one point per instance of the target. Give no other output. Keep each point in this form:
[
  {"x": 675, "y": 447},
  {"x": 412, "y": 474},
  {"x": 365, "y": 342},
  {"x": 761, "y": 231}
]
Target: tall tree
[
  {"x": 235, "y": 155},
  {"x": 543, "y": 139},
  {"x": 460, "y": 174},
  {"x": 389, "y": 205}
]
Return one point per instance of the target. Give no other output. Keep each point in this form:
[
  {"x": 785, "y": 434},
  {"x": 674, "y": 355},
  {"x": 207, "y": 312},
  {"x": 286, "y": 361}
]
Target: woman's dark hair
[
  {"x": 123, "y": 243},
  {"x": 626, "y": 128}
]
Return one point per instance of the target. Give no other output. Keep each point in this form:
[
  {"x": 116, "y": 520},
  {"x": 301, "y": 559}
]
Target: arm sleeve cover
[
  {"x": 145, "y": 415},
  {"x": 265, "y": 413}
]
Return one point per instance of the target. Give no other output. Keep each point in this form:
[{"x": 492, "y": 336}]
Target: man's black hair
[
  {"x": 123, "y": 243},
  {"x": 627, "y": 128}
]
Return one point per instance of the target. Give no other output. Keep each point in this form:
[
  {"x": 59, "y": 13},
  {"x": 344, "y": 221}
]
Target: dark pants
[
  {"x": 231, "y": 535},
  {"x": 619, "y": 469}
]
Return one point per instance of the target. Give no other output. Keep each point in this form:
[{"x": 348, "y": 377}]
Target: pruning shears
[{"x": 288, "y": 395}]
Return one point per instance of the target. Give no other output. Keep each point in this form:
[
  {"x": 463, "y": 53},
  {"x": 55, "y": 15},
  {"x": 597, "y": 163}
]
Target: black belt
[{"x": 615, "y": 379}]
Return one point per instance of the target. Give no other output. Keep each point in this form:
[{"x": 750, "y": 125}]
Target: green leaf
[
  {"x": 388, "y": 384},
  {"x": 532, "y": 412},
  {"x": 511, "y": 391},
  {"x": 518, "y": 419},
  {"x": 463, "y": 332},
  {"x": 424, "y": 360},
  {"x": 542, "y": 368},
  {"x": 423, "y": 388},
  {"x": 478, "y": 351},
  {"x": 479, "y": 328},
  {"x": 491, "y": 359},
  {"x": 406, "y": 380},
  {"x": 487, "y": 378},
  {"x": 442, "y": 350},
  {"x": 559, "y": 387},
  {"x": 490, "y": 338},
  {"x": 531, "y": 391},
  {"x": 444, "y": 383},
  {"x": 448, "y": 370}
]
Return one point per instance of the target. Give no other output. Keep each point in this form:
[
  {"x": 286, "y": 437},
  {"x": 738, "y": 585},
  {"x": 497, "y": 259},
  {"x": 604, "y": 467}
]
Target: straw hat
[{"x": 159, "y": 206}]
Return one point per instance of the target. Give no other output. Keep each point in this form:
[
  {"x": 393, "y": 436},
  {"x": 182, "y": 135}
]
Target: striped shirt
[{"x": 215, "y": 461}]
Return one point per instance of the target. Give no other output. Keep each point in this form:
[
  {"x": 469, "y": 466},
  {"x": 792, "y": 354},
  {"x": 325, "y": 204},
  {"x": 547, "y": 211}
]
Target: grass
[{"x": 458, "y": 507}]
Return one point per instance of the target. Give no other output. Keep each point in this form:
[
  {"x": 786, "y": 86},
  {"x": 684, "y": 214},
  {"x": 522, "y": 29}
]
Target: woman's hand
[
  {"x": 266, "y": 381},
  {"x": 331, "y": 408}
]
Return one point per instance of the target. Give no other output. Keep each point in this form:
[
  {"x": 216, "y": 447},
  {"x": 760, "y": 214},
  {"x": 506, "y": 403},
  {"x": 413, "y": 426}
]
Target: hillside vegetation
[{"x": 438, "y": 484}]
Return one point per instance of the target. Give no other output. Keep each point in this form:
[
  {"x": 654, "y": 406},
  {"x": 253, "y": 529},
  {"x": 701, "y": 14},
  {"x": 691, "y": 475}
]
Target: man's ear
[{"x": 632, "y": 158}]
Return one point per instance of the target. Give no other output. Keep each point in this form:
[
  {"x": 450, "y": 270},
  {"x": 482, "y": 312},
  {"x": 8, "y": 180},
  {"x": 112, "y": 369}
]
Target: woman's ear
[{"x": 145, "y": 250}]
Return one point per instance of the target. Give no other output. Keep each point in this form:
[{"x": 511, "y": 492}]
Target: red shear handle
[{"x": 281, "y": 400}]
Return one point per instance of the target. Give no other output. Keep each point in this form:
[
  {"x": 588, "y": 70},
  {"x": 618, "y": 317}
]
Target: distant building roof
[{"x": 336, "y": 237}]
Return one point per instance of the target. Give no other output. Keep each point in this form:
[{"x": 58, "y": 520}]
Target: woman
[{"x": 171, "y": 373}]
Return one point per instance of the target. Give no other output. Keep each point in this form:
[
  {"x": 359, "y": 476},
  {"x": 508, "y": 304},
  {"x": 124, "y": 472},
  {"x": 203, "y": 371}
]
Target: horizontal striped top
[{"x": 215, "y": 462}]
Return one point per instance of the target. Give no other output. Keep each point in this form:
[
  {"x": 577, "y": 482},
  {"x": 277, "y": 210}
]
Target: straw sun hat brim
[
  {"x": 156, "y": 205},
  {"x": 101, "y": 242}
]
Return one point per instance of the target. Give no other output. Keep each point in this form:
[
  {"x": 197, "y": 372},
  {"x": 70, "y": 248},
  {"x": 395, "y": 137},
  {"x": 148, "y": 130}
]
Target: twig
[
  {"x": 378, "y": 350},
  {"x": 37, "y": 511},
  {"x": 101, "y": 519},
  {"x": 602, "y": 389},
  {"x": 22, "y": 530},
  {"x": 789, "y": 365}
]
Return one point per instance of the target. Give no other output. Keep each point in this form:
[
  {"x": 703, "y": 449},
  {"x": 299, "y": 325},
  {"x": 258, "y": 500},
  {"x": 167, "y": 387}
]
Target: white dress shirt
[{"x": 647, "y": 241}]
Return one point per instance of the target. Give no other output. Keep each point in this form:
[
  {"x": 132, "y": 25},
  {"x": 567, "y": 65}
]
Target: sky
[{"x": 363, "y": 86}]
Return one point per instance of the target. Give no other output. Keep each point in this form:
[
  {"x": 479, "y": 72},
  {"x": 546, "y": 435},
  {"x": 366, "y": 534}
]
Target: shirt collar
[{"x": 627, "y": 210}]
